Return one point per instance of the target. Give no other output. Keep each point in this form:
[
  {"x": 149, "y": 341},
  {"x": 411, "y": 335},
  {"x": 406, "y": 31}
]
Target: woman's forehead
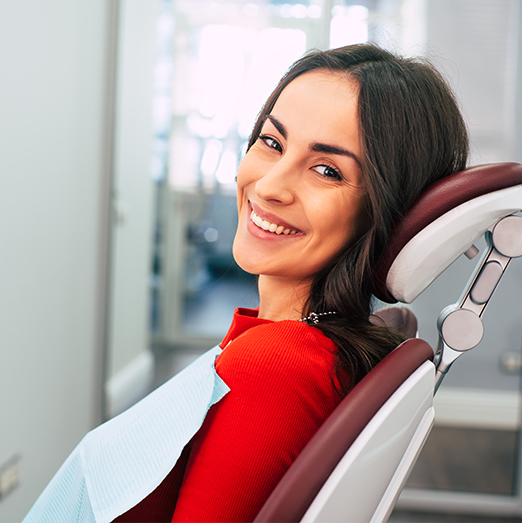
[
  {"x": 343, "y": 83},
  {"x": 321, "y": 105}
]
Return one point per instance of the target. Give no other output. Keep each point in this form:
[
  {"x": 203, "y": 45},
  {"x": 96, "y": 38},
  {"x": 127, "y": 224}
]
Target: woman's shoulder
[{"x": 279, "y": 347}]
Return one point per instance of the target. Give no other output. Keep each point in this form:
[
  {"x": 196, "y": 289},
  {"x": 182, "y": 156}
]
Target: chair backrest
[{"x": 308, "y": 474}]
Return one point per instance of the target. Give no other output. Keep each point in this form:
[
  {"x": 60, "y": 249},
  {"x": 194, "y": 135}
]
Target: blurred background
[{"x": 122, "y": 123}]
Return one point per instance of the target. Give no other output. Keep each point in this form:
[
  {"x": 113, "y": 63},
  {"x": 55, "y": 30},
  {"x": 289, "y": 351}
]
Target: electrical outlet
[{"x": 9, "y": 476}]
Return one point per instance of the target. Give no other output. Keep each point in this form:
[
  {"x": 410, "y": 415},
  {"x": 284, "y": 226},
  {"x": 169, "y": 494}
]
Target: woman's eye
[
  {"x": 271, "y": 142},
  {"x": 329, "y": 172}
]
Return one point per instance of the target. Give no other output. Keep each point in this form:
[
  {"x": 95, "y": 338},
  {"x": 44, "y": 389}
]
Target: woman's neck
[{"x": 281, "y": 299}]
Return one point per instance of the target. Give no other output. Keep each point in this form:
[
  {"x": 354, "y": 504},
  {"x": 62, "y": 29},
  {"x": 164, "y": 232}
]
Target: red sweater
[{"x": 280, "y": 376}]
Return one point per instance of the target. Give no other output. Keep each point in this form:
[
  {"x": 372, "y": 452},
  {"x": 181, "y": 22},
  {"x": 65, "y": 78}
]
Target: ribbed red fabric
[{"x": 280, "y": 376}]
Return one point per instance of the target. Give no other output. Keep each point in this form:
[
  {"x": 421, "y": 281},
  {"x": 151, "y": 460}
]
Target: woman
[{"x": 342, "y": 147}]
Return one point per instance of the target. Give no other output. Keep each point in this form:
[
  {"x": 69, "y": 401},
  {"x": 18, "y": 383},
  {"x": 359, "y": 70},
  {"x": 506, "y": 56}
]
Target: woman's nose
[{"x": 278, "y": 184}]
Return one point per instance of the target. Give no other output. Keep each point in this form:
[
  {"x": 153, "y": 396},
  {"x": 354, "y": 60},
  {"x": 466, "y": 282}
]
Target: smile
[{"x": 271, "y": 227}]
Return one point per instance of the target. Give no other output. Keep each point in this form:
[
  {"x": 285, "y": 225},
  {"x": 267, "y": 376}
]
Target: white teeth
[{"x": 272, "y": 227}]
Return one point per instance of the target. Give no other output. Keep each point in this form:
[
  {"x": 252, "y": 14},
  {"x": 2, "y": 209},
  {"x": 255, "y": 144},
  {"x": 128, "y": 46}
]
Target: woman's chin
[
  {"x": 247, "y": 264},
  {"x": 242, "y": 258}
]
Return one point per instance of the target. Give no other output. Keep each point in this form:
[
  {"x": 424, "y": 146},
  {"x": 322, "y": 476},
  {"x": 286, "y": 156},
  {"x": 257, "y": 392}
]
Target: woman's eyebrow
[
  {"x": 315, "y": 146},
  {"x": 278, "y": 125},
  {"x": 333, "y": 149}
]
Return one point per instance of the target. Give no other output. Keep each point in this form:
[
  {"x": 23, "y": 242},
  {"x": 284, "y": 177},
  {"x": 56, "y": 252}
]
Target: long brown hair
[{"x": 412, "y": 134}]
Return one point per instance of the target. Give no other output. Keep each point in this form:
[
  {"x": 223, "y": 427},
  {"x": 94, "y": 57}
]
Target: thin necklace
[{"x": 314, "y": 316}]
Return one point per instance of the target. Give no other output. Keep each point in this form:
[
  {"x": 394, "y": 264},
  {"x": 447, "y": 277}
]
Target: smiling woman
[
  {"x": 345, "y": 143},
  {"x": 300, "y": 191},
  {"x": 404, "y": 132}
]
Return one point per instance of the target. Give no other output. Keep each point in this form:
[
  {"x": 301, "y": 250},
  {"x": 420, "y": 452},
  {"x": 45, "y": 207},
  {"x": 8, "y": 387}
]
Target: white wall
[
  {"x": 130, "y": 363},
  {"x": 54, "y": 107}
]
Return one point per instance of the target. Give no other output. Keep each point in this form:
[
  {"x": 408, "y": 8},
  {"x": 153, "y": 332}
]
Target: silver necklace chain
[{"x": 314, "y": 316}]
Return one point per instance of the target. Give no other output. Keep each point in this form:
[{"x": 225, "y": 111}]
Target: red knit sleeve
[{"x": 280, "y": 379}]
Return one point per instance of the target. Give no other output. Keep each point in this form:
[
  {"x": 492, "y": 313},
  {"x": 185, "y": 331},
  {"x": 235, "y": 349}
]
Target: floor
[
  {"x": 468, "y": 460},
  {"x": 423, "y": 517},
  {"x": 465, "y": 460}
]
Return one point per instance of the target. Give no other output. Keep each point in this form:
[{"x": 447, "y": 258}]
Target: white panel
[
  {"x": 130, "y": 385},
  {"x": 354, "y": 490},
  {"x": 53, "y": 118},
  {"x": 439, "y": 244},
  {"x": 132, "y": 231},
  {"x": 476, "y": 408},
  {"x": 476, "y": 43}
]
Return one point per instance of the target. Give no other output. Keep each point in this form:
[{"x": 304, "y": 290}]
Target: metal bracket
[{"x": 460, "y": 325}]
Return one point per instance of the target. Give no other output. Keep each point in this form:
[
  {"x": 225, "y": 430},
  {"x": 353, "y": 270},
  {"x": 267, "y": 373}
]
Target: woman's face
[{"x": 300, "y": 192}]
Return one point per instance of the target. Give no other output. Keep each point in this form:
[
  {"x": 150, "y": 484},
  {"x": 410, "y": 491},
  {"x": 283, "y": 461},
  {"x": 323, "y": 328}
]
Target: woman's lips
[{"x": 271, "y": 224}]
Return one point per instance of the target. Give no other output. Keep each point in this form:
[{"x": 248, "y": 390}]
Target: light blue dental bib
[{"x": 119, "y": 463}]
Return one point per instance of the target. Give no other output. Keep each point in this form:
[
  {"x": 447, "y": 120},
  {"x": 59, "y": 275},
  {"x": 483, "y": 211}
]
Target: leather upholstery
[{"x": 438, "y": 199}]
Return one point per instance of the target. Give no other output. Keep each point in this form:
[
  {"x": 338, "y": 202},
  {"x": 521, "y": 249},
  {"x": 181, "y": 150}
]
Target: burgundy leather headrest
[{"x": 438, "y": 199}]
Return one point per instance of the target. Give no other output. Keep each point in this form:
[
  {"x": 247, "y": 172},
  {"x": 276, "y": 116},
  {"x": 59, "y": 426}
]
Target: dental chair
[{"x": 357, "y": 463}]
